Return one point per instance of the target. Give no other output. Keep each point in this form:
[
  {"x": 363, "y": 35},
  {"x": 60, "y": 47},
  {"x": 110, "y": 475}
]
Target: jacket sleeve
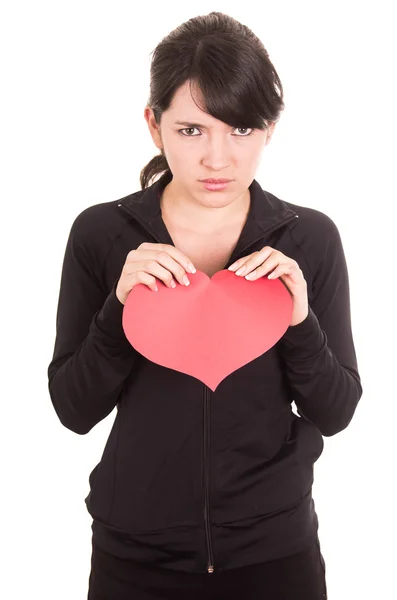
[
  {"x": 318, "y": 354},
  {"x": 92, "y": 356}
]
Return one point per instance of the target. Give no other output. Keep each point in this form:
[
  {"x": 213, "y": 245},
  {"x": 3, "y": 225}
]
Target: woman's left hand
[{"x": 260, "y": 263}]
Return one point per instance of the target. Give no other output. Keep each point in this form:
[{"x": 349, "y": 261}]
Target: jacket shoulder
[
  {"x": 312, "y": 221},
  {"x": 314, "y": 235},
  {"x": 98, "y": 225}
]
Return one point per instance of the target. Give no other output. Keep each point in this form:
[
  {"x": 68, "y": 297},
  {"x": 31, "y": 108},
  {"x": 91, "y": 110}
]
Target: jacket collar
[{"x": 266, "y": 214}]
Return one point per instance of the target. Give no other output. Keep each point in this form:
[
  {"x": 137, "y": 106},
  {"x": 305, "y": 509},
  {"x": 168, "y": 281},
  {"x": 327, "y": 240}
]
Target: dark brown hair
[{"x": 227, "y": 63}]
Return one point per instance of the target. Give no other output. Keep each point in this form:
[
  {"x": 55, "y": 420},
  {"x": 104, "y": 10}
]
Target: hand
[
  {"x": 149, "y": 261},
  {"x": 262, "y": 262}
]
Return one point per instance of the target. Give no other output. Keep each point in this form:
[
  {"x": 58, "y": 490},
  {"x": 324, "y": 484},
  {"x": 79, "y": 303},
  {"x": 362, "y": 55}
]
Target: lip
[
  {"x": 212, "y": 180},
  {"x": 215, "y": 187}
]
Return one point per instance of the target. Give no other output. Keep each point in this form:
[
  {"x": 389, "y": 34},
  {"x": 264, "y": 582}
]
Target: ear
[
  {"x": 154, "y": 128},
  {"x": 270, "y": 130}
]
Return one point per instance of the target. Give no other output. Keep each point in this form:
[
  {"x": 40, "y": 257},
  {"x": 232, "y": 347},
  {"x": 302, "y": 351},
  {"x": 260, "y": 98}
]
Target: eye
[
  {"x": 245, "y": 128},
  {"x": 187, "y": 129},
  {"x": 193, "y": 128}
]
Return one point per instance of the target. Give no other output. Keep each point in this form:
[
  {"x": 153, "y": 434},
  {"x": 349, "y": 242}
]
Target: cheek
[
  {"x": 248, "y": 163},
  {"x": 181, "y": 158},
  {"x": 255, "y": 159}
]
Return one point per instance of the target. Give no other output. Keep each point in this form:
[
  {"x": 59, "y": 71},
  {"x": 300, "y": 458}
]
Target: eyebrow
[{"x": 189, "y": 124}]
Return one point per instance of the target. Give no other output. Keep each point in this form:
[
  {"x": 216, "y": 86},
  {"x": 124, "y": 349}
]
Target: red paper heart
[{"x": 211, "y": 327}]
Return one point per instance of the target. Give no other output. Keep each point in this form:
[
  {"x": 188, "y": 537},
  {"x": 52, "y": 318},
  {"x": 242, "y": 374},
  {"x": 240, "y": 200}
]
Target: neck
[{"x": 189, "y": 215}]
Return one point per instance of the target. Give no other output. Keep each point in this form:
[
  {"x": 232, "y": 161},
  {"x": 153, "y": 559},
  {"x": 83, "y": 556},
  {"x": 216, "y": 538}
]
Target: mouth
[
  {"x": 212, "y": 180},
  {"x": 215, "y": 187}
]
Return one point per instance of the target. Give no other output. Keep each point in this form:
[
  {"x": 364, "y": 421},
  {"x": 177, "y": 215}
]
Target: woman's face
[{"x": 213, "y": 150}]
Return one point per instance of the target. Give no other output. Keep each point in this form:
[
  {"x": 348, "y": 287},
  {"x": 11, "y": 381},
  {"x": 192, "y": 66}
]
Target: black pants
[{"x": 297, "y": 577}]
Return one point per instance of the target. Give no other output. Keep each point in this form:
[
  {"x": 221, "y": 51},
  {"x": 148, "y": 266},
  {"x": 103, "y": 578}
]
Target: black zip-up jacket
[{"x": 191, "y": 479}]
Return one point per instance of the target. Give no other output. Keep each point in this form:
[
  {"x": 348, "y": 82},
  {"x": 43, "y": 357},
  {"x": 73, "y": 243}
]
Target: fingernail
[
  {"x": 185, "y": 280},
  {"x": 241, "y": 270},
  {"x": 173, "y": 284},
  {"x": 191, "y": 268}
]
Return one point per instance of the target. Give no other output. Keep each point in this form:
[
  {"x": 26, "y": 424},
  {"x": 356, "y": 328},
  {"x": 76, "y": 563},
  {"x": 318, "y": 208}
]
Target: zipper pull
[{"x": 210, "y": 569}]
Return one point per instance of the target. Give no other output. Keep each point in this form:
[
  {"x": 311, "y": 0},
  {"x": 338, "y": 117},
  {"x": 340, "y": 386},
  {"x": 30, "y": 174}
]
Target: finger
[
  {"x": 146, "y": 279},
  {"x": 263, "y": 254},
  {"x": 268, "y": 266},
  {"x": 163, "y": 259},
  {"x": 153, "y": 267},
  {"x": 174, "y": 267},
  {"x": 246, "y": 264},
  {"x": 236, "y": 265},
  {"x": 281, "y": 270},
  {"x": 255, "y": 259},
  {"x": 178, "y": 256}
]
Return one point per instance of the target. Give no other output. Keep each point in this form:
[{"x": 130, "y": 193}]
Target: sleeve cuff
[
  {"x": 303, "y": 340},
  {"x": 109, "y": 319}
]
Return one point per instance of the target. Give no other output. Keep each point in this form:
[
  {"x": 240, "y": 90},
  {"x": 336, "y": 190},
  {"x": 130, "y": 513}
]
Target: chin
[{"x": 215, "y": 199}]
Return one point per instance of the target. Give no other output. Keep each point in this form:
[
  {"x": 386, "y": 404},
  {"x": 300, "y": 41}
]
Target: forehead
[
  {"x": 184, "y": 110},
  {"x": 183, "y": 96}
]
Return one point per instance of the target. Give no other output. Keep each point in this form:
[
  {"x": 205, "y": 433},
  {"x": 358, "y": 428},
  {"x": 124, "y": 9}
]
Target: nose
[{"x": 217, "y": 154}]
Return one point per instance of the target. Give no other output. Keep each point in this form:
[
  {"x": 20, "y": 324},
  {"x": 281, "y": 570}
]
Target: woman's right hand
[{"x": 149, "y": 261}]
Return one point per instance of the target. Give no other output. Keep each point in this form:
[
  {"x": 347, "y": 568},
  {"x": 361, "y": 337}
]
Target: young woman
[{"x": 199, "y": 493}]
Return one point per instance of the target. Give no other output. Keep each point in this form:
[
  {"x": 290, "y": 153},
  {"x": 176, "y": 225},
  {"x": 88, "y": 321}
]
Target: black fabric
[
  {"x": 149, "y": 498},
  {"x": 301, "y": 576}
]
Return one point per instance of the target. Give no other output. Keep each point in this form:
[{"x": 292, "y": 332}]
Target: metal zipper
[
  {"x": 206, "y": 419},
  {"x": 206, "y": 445}
]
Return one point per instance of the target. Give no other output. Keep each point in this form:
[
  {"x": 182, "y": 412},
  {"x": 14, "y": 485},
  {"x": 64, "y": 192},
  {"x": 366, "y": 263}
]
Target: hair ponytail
[{"x": 156, "y": 165}]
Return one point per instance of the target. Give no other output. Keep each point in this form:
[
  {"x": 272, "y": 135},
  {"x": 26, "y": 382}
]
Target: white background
[{"x": 75, "y": 81}]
